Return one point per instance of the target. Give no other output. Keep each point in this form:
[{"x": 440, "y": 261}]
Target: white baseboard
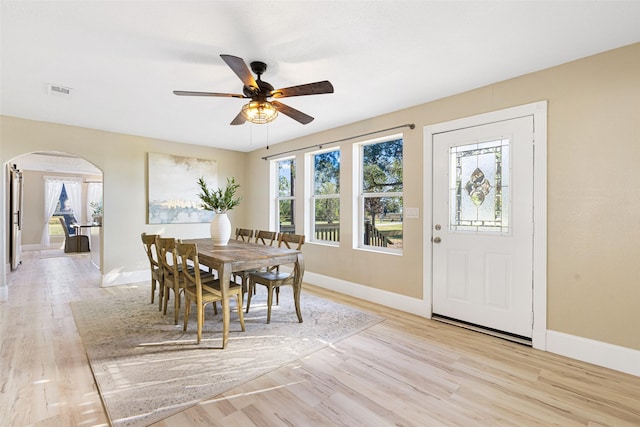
[
  {"x": 599, "y": 353},
  {"x": 389, "y": 299},
  {"x": 615, "y": 357},
  {"x": 117, "y": 278}
]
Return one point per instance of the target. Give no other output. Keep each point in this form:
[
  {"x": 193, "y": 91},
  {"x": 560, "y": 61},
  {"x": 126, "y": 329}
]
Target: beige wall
[
  {"x": 593, "y": 200},
  {"x": 593, "y": 197},
  {"x": 123, "y": 161}
]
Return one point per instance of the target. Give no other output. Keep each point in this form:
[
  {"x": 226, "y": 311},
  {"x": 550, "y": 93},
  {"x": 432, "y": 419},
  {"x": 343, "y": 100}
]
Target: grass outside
[
  {"x": 392, "y": 230},
  {"x": 55, "y": 229}
]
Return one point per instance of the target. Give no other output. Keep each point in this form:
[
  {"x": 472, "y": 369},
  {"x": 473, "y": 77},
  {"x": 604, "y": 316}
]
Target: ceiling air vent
[{"x": 58, "y": 90}]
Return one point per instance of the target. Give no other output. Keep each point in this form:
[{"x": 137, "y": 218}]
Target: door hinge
[{"x": 532, "y": 319}]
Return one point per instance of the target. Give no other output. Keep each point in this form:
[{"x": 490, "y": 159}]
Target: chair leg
[
  {"x": 187, "y": 311},
  {"x": 249, "y": 295},
  {"x": 200, "y": 321},
  {"x": 161, "y": 295},
  {"x": 176, "y": 304},
  {"x": 153, "y": 290},
  {"x": 269, "y": 301},
  {"x": 296, "y": 300},
  {"x": 239, "y": 308},
  {"x": 278, "y": 296},
  {"x": 166, "y": 300}
]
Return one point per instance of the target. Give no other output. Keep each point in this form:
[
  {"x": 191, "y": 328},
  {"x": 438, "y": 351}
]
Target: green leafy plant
[
  {"x": 219, "y": 201},
  {"x": 97, "y": 208}
]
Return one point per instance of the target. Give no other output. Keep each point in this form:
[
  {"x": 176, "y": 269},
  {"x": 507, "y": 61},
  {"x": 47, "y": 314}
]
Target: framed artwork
[{"x": 172, "y": 188}]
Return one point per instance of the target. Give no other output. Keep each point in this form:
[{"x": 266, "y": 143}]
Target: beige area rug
[{"x": 147, "y": 369}]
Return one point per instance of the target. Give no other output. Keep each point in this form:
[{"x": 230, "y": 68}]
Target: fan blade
[
  {"x": 292, "y": 112},
  {"x": 239, "y": 120},
  {"x": 316, "y": 88},
  {"x": 226, "y": 95},
  {"x": 240, "y": 68}
]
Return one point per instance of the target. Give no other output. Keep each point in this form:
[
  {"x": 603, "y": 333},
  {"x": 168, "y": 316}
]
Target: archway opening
[{"x": 53, "y": 185}]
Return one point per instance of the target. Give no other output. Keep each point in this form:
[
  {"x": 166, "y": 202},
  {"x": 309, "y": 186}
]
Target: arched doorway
[{"x": 56, "y": 184}]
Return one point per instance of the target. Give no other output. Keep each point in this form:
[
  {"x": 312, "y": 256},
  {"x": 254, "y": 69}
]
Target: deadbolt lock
[{"x": 437, "y": 240}]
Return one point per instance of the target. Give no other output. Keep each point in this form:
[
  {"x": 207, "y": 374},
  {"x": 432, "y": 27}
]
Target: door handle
[{"x": 437, "y": 240}]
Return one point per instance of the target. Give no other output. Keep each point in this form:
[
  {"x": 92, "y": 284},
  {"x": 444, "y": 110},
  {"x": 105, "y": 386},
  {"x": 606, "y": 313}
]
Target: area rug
[{"x": 146, "y": 368}]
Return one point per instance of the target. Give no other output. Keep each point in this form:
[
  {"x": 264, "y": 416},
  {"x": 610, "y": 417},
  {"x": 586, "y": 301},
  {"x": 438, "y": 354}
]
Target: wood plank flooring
[{"x": 405, "y": 371}]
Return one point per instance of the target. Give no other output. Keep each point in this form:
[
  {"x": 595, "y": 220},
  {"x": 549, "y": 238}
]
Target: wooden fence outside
[{"x": 331, "y": 233}]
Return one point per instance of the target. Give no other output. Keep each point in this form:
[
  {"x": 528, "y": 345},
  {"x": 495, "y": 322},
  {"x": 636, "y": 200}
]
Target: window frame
[
  {"x": 275, "y": 191},
  {"x": 310, "y": 223},
  {"x": 360, "y": 195}
]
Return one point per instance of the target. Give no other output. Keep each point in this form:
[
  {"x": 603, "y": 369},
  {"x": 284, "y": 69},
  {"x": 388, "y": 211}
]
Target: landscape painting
[{"x": 173, "y": 188}]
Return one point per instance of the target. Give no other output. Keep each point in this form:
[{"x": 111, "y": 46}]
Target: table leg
[
  {"x": 297, "y": 285},
  {"x": 225, "y": 278}
]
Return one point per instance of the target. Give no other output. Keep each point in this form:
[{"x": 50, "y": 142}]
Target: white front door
[{"x": 482, "y": 246}]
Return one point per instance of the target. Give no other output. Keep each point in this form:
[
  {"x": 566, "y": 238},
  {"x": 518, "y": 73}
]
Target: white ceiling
[{"x": 123, "y": 59}]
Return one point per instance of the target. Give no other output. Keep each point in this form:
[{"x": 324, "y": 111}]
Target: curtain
[
  {"x": 52, "y": 190},
  {"x": 74, "y": 194},
  {"x": 94, "y": 195}
]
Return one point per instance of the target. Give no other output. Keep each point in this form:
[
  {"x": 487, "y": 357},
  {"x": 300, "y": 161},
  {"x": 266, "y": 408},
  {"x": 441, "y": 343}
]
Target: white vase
[{"x": 220, "y": 229}]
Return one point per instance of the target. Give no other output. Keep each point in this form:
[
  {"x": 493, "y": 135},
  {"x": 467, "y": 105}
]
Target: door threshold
[{"x": 483, "y": 329}]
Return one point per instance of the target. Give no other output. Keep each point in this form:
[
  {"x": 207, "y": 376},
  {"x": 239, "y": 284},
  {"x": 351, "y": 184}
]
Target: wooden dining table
[{"x": 238, "y": 256}]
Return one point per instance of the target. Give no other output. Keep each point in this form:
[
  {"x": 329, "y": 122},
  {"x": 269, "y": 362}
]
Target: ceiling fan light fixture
[{"x": 259, "y": 112}]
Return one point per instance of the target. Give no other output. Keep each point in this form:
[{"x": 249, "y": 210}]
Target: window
[
  {"x": 285, "y": 199},
  {"x": 380, "y": 195},
  {"x": 325, "y": 196},
  {"x": 479, "y": 187},
  {"x": 65, "y": 210}
]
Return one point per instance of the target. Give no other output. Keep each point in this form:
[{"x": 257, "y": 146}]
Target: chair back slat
[
  {"x": 291, "y": 241},
  {"x": 244, "y": 234},
  {"x": 265, "y": 237}
]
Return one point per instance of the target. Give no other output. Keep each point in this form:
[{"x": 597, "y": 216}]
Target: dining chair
[
  {"x": 273, "y": 278},
  {"x": 73, "y": 242},
  {"x": 244, "y": 234},
  {"x": 149, "y": 242},
  {"x": 264, "y": 237},
  {"x": 170, "y": 272},
  {"x": 202, "y": 292}
]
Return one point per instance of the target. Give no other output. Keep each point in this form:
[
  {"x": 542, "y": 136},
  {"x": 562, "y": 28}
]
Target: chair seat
[
  {"x": 269, "y": 276},
  {"x": 214, "y": 287}
]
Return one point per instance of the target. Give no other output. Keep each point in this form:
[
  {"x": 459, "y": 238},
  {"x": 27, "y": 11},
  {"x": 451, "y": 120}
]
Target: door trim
[{"x": 539, "y": 112}]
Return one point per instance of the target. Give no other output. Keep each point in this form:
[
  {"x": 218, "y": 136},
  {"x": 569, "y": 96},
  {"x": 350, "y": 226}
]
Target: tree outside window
[
  {"x": 326, "y": 196},
  {"x": 381, "y": 194},
  {"x": 285, "y": 203}
]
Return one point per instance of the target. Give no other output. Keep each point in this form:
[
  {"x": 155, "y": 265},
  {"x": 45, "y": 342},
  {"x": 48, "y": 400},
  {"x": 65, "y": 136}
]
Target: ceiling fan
[{"x": 260, "y": 109}]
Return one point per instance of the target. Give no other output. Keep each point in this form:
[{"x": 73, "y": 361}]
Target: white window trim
[
  {"x": 274, "y": 191},
  {"x": 311, "y": 197},
  {"x": 359, "y": 196}
]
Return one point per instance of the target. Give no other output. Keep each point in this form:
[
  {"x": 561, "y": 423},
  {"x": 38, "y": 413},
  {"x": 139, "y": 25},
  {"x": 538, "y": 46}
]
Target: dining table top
[{"x": 241, "y": 255}]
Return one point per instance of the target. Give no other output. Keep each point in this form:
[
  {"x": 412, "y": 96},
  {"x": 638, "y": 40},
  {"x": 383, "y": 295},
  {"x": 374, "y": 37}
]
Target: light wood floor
[{"x": 405, "y": 371}]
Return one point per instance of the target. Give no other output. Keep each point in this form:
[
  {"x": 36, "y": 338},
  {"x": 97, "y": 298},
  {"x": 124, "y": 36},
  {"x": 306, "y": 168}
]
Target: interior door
[
  {"x": 482, "y": 243},
  {"x": 15, "y": 231}
]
